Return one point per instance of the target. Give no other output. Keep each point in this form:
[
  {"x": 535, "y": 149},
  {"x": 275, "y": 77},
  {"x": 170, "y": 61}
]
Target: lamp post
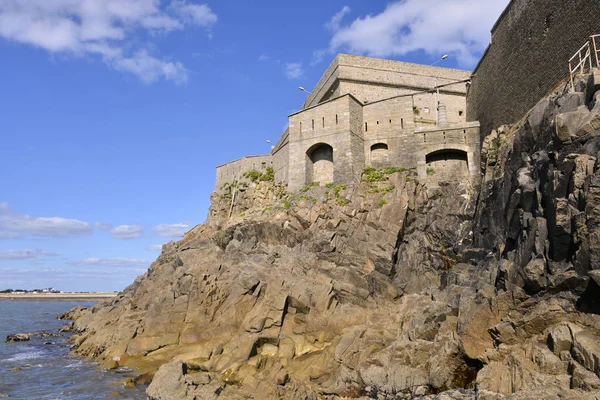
[
  {"x": 303, "y": 90},
  {"x": 437, "y": 92}
]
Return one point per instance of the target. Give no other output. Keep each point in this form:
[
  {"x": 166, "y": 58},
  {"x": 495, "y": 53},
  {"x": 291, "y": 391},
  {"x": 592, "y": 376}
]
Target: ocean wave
[{"x": 28, "y": 355}]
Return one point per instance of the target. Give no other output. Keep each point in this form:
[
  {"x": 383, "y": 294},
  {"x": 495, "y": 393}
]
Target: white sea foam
[
  {"x": 29, "y": 355},
  {"x": 75, "y": 365}
]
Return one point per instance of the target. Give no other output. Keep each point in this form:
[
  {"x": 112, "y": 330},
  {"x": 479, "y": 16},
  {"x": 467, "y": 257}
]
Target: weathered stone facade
[
  {"x": 532, "y": 42},
  {"x": 373, "y": 112}
]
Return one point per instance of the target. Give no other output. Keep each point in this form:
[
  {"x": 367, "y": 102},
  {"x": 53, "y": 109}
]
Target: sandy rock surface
[{"x": 386, "y": 290}]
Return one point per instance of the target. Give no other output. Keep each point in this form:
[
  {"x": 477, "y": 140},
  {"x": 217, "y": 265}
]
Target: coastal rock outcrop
[{"x": 389, "y": 289}]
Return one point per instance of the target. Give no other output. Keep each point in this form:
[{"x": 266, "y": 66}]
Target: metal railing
[
  {"x": 582, "y": 57},
  {"x": 595, "y": 40},
  {"x": 585, "y": 55}
]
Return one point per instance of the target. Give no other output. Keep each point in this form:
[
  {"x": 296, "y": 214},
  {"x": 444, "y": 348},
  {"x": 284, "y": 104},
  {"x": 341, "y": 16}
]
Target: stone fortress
[{"x": 372, "y": 112}]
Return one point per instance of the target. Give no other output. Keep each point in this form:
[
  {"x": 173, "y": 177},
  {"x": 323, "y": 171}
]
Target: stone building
[
  {"x": 374, "y": 112},
  {"x": 531, "y": 44}
]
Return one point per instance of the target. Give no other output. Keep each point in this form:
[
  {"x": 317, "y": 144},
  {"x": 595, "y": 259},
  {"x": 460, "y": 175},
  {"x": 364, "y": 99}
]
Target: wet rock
[
  {"x": 18, "y": 337},
  {"x": 72, "y": 314}
]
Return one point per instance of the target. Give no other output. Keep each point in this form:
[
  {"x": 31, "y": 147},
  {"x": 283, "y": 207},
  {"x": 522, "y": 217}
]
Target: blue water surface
[{"x": 45, "y": 367}]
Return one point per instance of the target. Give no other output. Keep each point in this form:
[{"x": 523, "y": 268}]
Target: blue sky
[{"x": 114, "y": 113}]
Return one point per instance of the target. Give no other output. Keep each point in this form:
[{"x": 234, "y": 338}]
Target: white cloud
[
  {"x": 127, "y": 231},
  {"x": 171, "y": 230},
  {"x": 14, "y": 224},
  {"x": 25, "y": 255},
  {"x": 196, "y": 14},
  {"x": 457, "y": 27},
  {"x": 105, "y": 28},
  {"x": 263, "y": 57},
  {"x": 103, "y": 225},
  {"x": 154, "y": 247},
  {"x": 294, "y": 70},
  {"x": 111, "y": 262},
  {"x": 10, "y": 235},
  {"x": 335, "y": 21}
]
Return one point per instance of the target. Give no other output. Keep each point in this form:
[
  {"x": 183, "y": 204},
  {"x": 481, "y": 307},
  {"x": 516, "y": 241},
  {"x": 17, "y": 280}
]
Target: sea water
[{"x": 43, "y": 368}]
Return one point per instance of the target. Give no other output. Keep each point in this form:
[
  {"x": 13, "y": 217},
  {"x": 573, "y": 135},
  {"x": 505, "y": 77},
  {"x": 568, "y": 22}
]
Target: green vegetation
[
  {"x": 393, "y": 170},
  {"x": 266, "y": 209},
  {"x": 342, "y": 201},
  {"x": 287, "y": 204},
  {"x": 430, "y": 171},
  {"x": 382, "y": 203},
  {"x": 257, "y": 176},
  {"x": 371, "y": 174},
  {"x": 387, "y": 189},
  {"x": 309, "y": 186},
  {"x": 373, "y": 189},
  {"x": 337, "y": 189},
  {"x": 279, "y": 192}
]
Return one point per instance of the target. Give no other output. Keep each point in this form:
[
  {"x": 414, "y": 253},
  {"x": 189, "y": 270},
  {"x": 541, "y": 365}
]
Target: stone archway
[
  {"x": 379, "y": 155},
  {"x": 319, "y": 164},
  {"x": 447, "y": 165}
]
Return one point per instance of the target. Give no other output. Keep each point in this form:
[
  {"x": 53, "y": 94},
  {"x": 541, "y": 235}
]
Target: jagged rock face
[{"x": 383, "y": 290}]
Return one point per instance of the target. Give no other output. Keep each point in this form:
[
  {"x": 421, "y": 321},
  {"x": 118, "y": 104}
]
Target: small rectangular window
[
  {"x": 323, "y": 122},
  {"x": 313, "y": 124},
  {"x": 336, "y": 119},
  {"x": 300, "y": 127},
  {"x": 366, "y": 127},
  {"x": 402, "y": 123}
]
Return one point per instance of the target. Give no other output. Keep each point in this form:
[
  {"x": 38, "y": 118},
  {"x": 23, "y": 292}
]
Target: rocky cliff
[{"x": 389, "y": 289}]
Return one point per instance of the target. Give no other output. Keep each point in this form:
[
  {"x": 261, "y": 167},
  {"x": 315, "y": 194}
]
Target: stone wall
[
  {"x": 371, "y": 79},
  {"x": 281, "y": 156},
  {"x": 331, "y": 123},
  {"x": 531, "y": 45},
  {"x": 234, "y": 170},
  {"x": 440, "y": 147}
]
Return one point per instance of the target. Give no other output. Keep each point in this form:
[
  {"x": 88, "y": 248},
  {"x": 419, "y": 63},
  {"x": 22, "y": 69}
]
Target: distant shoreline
[{"x": 57, "y": 296}]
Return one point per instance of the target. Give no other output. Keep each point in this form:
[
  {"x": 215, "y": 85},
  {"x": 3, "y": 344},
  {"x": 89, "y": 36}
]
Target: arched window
[
  {"x": 319, "y": 164},
  {"x": 379, "y": 155},
  {"x": 447, "y": 165}
]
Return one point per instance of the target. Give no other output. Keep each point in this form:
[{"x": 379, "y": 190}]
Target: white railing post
[{"x": 596, "y": 51}]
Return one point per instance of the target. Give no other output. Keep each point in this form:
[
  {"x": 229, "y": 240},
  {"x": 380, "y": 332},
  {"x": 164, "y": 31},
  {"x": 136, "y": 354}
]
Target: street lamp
[
  {"x": 303, "y": 90},
  {"x": 443, "y": 58},
  {"x": 437, "y": 93}
]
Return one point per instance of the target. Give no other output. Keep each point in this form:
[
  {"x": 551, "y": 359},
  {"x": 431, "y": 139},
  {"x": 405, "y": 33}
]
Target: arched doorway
[
  {"x": 319, "y": 164},
  {"x": 379, "y": 155},
  {"x": 447, "y": 165}
]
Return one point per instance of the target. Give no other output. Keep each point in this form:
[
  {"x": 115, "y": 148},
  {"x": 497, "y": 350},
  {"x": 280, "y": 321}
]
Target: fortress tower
[{"x": 374, "y": 112}]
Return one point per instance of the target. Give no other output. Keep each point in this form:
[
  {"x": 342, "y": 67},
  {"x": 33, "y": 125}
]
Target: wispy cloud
[
  {"x": 294, "y": 70},
  {"x": 458, "y": 27},
  {"x": 335, "y": 21},
  {"x": 103, "y": 225},
  {"x": 154, "y": 247},
  {"x": 14, "y": 224},
  {"x": 171, "y": 230},
  {"x": 127, "y": 231},
  {"x": 263, "y": 57},
  {"x": 104, "y": 28},
  {"x": 25, "y": 255},
  {"x": 111, "y": 262}
]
